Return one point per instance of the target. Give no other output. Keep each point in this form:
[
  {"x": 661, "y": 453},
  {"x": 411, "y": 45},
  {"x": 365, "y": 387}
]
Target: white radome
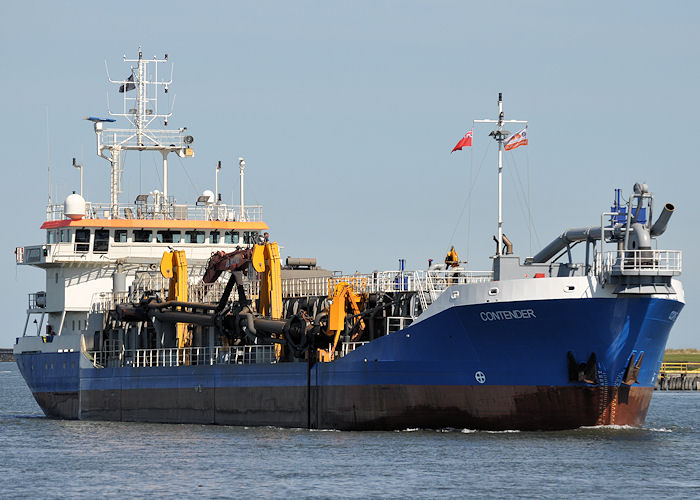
[
  {"x": 210, "y": 195},
  {"x": 74, "y": 207}
]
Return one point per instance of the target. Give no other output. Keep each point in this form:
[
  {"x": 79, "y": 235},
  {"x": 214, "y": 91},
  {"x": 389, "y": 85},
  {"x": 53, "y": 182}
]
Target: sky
[{"x": 346, "y": 113}]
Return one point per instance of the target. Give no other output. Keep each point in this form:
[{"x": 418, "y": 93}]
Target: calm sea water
[{"x": 49, "y": 458}]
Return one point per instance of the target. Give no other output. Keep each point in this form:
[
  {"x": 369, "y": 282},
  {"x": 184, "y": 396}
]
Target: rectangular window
[
  {"x": 51, "y": 237},
  {"x": 82, "y": 240},
  {"x": 101, "y": 243},
  {"x": 231, "y": 237},
  {"x": 143, "y": 236},
  {"x": 120, "y": 235},
  {"x": 214, "y": 237},
  {"x": 168, "y": 237},
  {"x": 194, "y": 236},
  {"x": 250, "y": 237},
  {"x": 64, "y": 235}
]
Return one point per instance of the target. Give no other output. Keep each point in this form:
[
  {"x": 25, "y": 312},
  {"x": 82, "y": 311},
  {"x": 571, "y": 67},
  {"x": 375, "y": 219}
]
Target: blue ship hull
[{"x": 501, "y": 365}]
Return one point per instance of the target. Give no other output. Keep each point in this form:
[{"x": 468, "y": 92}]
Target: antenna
[
  {"x": 216, "y": 181},
  {"x": 48, "y": 155},
  {"x": 79, "y": 167},
  {"x": 241, "y": 166},
  {"x": 140, "y": 91}
]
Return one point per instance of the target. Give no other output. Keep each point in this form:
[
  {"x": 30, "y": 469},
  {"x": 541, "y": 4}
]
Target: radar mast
[{"x": 140, "y": 92}]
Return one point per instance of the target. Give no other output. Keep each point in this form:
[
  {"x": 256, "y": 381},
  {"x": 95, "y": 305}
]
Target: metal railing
[
  {"x": 103, "y": 302},
  {"x": 195, "y": 356},
  {"x": 186, "y": 356},
  {"x": 411, "y": 281},
  {"x": 304, "y": 287},
  {"x": 640, "y": 262},
  {"x": 164, "y": 211},
  {"x": 679, "y": 368},
  {"x": 348, "y": 347},
  {"x": 147, "y": 138},
  {"x": 37, "y": 300},
  {"x": 396, "y": 323}
]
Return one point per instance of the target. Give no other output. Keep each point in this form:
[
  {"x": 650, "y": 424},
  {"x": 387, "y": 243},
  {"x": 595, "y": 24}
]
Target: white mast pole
[
  {"x": 165, "y": 177},
  {"x": 216, "y": 183},
  {"x": 500, "y": 175},
  {"x": 241, "y": 166}
]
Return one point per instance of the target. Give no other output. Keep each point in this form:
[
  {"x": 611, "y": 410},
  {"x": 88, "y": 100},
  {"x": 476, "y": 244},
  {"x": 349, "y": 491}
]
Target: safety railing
[
  {"x": 185, "y": 356},
  {"x": 396, "y": 323},
  {"x": 164, "y": 210},
  {"x": 195, "y": 356},
  {"x": 305, "y": 287},
  {"x": 348, "y": 347},
  {"x": 37, "y": 300},
  {"x": 640, "y": 262},
  {"x": 428, "y": 284},
  {"x": 411, "y": 281},
  {"x": 103, "y": 302},
  {"x": 680, "y": 368}
]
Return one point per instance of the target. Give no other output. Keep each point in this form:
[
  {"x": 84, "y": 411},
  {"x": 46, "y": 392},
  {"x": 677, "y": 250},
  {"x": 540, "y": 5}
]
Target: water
[{"x": 51, "y": 458}]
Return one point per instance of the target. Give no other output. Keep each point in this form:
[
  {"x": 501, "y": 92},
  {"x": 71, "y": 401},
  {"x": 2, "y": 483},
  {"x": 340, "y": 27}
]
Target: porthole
[{"x": 493, "y": 291}]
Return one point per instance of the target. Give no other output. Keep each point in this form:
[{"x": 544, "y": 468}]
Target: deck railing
[
  {"x": 679, "y": 368},
  {"x": 640, "y": 262},
  {"x": 163, "y": 210},
  {"x": 185, "y": 356},
  {"x": 195, "y": 356}
]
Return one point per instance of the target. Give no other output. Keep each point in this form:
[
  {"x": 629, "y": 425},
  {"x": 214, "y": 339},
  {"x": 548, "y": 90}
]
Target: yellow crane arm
[
  {"x": 266, "y": 260},
  {"x": 173, "y": 265},
  {"x": 343, "y": 296}
]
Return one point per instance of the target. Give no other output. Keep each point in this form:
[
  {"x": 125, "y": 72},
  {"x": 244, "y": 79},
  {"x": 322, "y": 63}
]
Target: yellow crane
[
  {"x": 173, "y": 265},
  {"x": 266, "y": 260},
  {"x": 344, "y": 300}
]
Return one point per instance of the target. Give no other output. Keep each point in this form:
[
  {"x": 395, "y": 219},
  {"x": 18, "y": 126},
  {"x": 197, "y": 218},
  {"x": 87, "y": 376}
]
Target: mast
[
  {"x": 241, "y": 166},
  {"x": 141, "y": 109},
  {"x": 500, "y": 135}
]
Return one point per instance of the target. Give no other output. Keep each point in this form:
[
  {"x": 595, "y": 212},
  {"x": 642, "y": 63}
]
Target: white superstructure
[{"x": 94, "y": 253}]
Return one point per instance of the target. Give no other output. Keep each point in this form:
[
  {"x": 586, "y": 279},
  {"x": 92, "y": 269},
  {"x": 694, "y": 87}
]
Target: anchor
[
  {"x": 582, "y": 372},
  {"x": 632, "y": 372}
]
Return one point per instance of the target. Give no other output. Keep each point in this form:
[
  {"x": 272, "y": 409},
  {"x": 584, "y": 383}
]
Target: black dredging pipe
[
  {"x": 659, "y": 226},
  {"x": 594, "y": 233}
]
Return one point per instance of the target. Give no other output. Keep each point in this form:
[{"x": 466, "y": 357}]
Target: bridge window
[
  {"x": 64, "y": 235},
  {"x": 120, "y": 236},
  {"x": 101, "y": 244},
  {"x": 214, "y": 237},
  {"x": 143, "y": 236},
  {"x": 231, "y": 237},
  {"x": 82, "y": 240},
  {"x": 250, "y": 237},
  {"x": 51, "y": 237},
  {"x": 168, "y": 236},
  {"x": 194, "y": 236}
]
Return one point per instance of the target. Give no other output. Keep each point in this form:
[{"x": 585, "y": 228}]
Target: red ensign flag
[{"x": 465, "y": 141}]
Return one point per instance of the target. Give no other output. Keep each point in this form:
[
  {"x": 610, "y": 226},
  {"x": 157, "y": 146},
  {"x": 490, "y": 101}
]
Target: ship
[{"x": 159, "y": 311}]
